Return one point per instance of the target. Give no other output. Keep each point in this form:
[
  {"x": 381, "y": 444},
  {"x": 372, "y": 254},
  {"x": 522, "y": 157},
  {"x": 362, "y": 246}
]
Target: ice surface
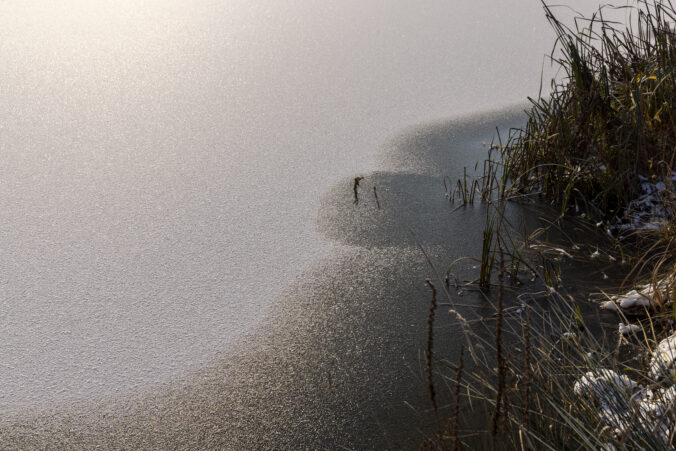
[{"x": 162, "y": 161}]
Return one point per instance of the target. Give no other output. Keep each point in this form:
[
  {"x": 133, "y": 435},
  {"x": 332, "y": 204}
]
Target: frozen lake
[{"x": 162, "y": 162}]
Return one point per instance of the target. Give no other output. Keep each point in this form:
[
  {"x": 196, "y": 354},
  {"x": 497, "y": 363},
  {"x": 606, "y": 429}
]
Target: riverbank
[{"x": 601, "y": 151}]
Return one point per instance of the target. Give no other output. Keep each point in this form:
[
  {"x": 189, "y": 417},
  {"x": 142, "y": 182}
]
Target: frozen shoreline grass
[
  {"x": 610, "y": 120},
  {"x": 545, "y": 376},
  {"x": 602, "y": 146}
]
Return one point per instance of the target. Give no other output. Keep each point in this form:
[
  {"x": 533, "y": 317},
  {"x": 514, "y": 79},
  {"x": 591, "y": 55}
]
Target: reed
[
  {"x": 455, "y": 420},
  {"x": 429, "y": 351},
  {"x": 610, "y": 119}
]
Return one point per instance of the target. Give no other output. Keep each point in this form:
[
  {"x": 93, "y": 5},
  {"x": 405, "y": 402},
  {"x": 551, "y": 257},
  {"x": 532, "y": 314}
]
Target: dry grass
[{"x": 611, "y": 117}]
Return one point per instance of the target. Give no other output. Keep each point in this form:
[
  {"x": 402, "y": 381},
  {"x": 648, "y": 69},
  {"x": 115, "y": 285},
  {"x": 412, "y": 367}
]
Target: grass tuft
[{"x": 609, "y": 119}]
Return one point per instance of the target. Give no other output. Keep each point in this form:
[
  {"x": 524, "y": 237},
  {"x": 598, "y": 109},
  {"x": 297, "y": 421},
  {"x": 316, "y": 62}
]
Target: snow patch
[
  {"x": 626, "y": 329},
  {"x": 664, "y": 358},
  {"x": 626, "y": 406},
  {"x": 645, "y": 296},
  {"x": 651, "y": 210}
]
